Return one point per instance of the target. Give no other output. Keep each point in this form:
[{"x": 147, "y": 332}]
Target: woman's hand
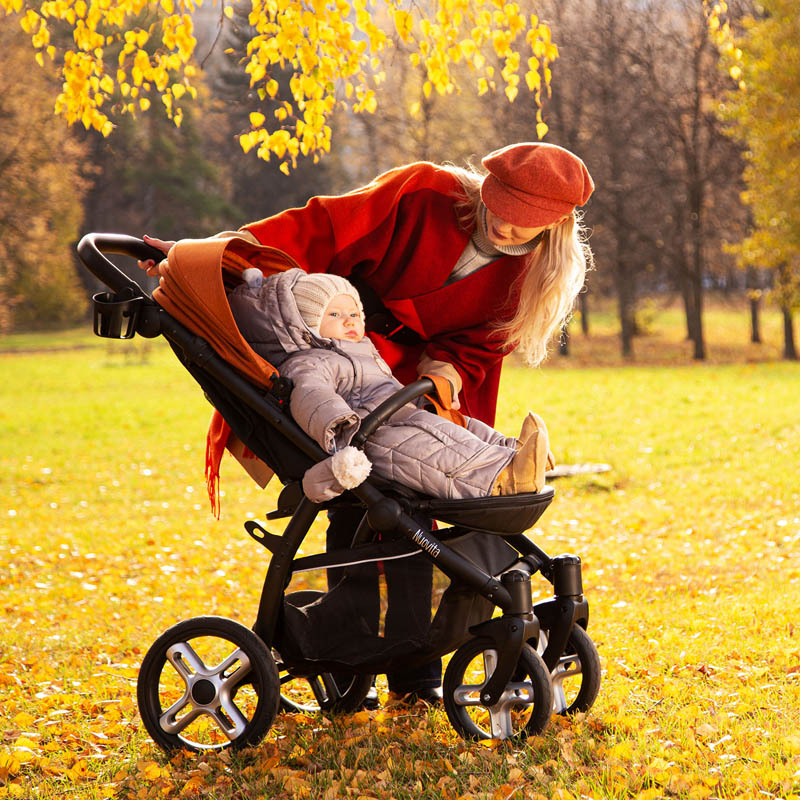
[
  {"x": 150, "y": 266},
  {"x": 429, "y": 366}
]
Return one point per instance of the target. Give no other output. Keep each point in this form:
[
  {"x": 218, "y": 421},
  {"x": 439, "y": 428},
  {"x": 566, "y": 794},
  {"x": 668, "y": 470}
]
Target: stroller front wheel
[
  {"x": 524, "y": 707},
  {"x": 576, "y": 677},
  {"x": 208, "y": 683}
]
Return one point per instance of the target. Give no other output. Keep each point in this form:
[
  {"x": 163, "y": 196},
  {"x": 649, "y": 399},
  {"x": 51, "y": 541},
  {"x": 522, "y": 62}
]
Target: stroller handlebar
[
  {"x": 388, "y": 407},
  {"x": 90, "y": 251}
]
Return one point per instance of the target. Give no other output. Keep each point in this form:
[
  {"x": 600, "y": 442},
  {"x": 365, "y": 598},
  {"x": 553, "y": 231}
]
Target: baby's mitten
[{"x": 344, "y": 470}]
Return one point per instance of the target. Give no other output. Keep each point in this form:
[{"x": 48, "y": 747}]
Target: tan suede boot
[
  {"x": 530, "y": 425},
  {"x": 526, "y": 471}
]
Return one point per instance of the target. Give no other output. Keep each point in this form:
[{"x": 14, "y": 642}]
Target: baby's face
[{"x": 342, "y": 320}]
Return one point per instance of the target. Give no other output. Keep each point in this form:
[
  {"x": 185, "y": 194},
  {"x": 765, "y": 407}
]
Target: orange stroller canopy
[{"x": 192, "y": 289}]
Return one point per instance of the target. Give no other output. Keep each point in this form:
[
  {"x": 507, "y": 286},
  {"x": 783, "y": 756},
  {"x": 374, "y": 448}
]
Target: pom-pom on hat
[
  {"x": 313, "y": 292},
  {"x": 534, "y": 184}
]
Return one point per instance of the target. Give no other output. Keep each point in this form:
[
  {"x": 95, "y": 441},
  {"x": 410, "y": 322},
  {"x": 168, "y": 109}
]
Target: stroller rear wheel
[
  {"x": 208, "y": 683},
  {"x": 576, "y": 678},
  {"x": 338, "y": 694},
  {"x": 524, "y": 707}
]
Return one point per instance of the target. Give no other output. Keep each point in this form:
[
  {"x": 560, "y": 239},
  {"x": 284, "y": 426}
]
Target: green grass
[
  {"x": 690, "y": 546},
  {"x": 726, "y": 325}
]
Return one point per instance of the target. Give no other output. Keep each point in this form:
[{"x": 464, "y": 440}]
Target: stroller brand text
[{"x": 426, "y": 544}]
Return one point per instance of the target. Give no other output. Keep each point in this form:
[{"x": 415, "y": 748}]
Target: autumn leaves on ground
[{"x": 690, "y": 546}]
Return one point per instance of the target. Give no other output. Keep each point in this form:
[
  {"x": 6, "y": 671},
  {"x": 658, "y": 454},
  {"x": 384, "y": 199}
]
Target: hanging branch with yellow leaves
[{"x": 335, "y": 50}]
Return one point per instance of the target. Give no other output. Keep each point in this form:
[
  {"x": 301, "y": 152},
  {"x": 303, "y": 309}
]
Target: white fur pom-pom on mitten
[
  {"x": 345, "y": 469},
  {"x": 350, "y": 467},
  {"x": 253, "y": 277}
]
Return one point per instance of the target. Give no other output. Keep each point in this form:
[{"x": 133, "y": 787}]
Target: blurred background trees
[
  {"x": 638, "y": 92},
  {"x": 41, "y": 195}
]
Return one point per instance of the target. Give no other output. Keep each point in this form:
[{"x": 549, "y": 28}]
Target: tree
[
  {"x": 762, "y": 113},
  {"x": 158, "y": 179},
  {"x": 257, "y": 188},
  {"x": 40, "y": 201},
  {"x": 335, "y": 50},
  {"x": 700, "y": 164},
  {"x": 633, "y": 94}
]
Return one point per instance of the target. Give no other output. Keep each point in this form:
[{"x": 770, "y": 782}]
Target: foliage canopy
[
  {"x": 762, "y": 114},
  {"x": 119, "y": 52}
]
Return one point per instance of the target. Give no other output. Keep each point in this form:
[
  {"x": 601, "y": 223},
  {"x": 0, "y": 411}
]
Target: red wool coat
[{"x": 401, "y": 236}]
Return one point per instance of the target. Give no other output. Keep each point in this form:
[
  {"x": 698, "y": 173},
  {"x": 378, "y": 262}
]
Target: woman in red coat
[{"x": 456, "y": 269}]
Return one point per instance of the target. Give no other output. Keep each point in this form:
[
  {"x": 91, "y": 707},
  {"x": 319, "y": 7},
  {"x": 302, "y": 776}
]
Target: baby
[{"x": 311, "y": 327}]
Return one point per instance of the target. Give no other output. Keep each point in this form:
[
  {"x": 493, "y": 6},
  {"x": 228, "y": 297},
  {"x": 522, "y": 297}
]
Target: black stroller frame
[{"x": 528, "y": 651}]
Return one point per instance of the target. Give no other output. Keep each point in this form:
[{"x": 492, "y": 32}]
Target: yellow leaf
[
  {"x": 541, "y": 129},
  {"x": 404, "y": 23},
  {"x": 256, "y": 119},
  {"x": 511, "y": 93},
  {"x": 149, "y": 770},
  {"x": 284, "y": 168},
  {"x": 791, "y": 744},
  {"x": 228, "y": 12},
  {"x": 23, "y": 719},
  {"x": 9, "y": 764}
]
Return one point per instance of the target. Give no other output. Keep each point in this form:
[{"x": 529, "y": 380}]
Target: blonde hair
[{"x": 554, "y": 274}]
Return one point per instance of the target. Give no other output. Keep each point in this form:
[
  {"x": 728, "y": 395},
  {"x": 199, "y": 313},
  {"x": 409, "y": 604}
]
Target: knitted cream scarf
[{"x": 480, "y": 251}]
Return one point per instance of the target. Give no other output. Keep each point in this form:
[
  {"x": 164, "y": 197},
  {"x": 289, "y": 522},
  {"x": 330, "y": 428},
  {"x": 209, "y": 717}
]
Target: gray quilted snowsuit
[{"x": 337, "y": 383}]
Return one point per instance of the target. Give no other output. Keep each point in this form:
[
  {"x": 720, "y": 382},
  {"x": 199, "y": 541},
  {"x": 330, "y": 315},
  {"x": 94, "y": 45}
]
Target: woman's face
[{"x": 504, "y": 234}]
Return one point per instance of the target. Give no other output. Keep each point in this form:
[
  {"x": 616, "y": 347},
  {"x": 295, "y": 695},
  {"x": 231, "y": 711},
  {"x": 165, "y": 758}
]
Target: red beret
[{"x": 534, "y": 184}]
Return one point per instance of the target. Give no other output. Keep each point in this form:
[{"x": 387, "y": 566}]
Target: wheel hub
[{"x": 203, "y": 692}]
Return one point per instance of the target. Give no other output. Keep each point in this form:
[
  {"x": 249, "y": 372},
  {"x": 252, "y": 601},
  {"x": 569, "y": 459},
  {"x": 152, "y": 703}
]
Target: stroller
[{"x": 210, "y": 682}]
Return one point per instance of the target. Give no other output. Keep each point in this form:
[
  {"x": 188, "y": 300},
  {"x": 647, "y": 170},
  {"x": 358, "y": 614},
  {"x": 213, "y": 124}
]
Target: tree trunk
[
  {"x": 688, "y": 304},
  {"x": 697, "y": 317},
  {"x": 583, "y": 300},
  {"x": 625, "y": 306},
  {"x": 789, "y": 348},
  {"x": 563, "y": 342},
  {"x": 754, "y": 296},
  {"x": 755, "y": 320}
]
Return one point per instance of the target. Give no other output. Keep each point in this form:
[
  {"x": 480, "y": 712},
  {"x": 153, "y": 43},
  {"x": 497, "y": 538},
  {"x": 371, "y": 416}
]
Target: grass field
[{"x": 690, "y": 546}]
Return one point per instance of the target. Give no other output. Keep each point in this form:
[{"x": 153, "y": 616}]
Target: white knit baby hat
[{"x": 312, "y": 293}]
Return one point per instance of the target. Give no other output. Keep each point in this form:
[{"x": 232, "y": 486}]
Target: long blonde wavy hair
[{"x": 554, "y": 275}]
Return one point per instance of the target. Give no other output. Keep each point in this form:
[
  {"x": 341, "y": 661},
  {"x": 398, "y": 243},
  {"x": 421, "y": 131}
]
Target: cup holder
[{"x": 115, "y": 317}]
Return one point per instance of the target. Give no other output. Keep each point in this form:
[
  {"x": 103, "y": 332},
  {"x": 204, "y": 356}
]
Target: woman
[{"x": 455, "y": 270}]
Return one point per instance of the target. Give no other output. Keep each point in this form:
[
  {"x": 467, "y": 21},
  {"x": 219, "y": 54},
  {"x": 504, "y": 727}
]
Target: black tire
[
  {"x": 184, "y": 703},
  {"x": 576, "y": 678},
  {"x": 301, "y": 693},
  {"x": 309, "y": 694},
  {"x": 524, "y": 708}
]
